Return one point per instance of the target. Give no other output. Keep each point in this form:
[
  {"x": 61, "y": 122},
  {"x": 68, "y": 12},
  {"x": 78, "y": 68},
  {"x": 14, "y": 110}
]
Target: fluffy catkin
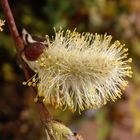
[{"x": 80, "y": 71}]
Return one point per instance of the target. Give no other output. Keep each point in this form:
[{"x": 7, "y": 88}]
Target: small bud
[{"x": 59, "y": 131}]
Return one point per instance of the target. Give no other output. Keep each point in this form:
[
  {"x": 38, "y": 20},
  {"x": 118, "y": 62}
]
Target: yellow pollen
[
  {"x": 38, "y": 85},
  {"x": 35, "y": 100},
  {"x": 125, "y": 49},
  {"x": 33, "y": 79},
  {"x": 44, "y": 99},
  {"x": 24, "y": 83},
  {"x": 42, "y": 64},
  {"x": 130, "y": 76},
  {"x": 130, "y": 60},
  {"x": 125, "y": 84},
  {"x": 29, "y": 83},
  {"x": 34, "y": 84},
  {"x": 42, "y": 59},
  {"x": 129, "y": 68},
  {"x": 41, "y": 94},
  {"x": 131, "y": 72},
  {"x": 120, "y": 63},
  {"x": 49, "y": 57},
  {"x": 118, "y": 94},
  {"x": 57, "y": 63},
  {"x": 105, "y": 102}
]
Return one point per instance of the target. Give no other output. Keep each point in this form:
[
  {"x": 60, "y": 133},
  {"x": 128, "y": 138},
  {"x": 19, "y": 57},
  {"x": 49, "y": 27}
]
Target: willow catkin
[{"x": 80, "y": 71}]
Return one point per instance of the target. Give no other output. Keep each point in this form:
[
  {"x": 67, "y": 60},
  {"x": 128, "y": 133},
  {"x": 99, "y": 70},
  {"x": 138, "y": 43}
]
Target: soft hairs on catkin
[{"x": 80, "y": 71}]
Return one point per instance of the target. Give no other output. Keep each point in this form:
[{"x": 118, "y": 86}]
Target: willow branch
[
  {"x": 44, "y": 114},
  {"x": 14, "y": 33}
]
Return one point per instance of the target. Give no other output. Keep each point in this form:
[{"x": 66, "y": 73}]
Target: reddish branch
[
  {"x": 44, "y": 114},
  {"x": 14, "y": 33}
]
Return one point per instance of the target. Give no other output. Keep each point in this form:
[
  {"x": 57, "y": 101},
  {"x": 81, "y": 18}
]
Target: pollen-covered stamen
[
  {"x": 33, "y": 81},
  {"x": 81, "y": 71}
]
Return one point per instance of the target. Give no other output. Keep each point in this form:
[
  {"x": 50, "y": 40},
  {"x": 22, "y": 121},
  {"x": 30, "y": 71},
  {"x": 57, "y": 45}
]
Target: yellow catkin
[{"x": 81, "y": 71}]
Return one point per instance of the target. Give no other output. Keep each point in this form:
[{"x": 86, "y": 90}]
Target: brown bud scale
[{"x": 33, "y": 51}]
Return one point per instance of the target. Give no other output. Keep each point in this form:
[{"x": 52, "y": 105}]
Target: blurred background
[{"x": 19, "y": 118}]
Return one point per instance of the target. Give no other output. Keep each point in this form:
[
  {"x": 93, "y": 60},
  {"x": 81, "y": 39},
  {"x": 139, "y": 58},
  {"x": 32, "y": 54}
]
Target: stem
[
  {"x": 12, "y": 25},
  {"x": 44, "y": 114},
  {"x": 15, "y": 35}
]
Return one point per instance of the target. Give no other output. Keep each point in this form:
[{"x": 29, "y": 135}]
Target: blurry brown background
[{"x": 19, "y": 119}]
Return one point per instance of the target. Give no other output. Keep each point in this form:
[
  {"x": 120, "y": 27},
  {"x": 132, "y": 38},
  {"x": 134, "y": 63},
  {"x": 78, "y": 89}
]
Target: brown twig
[
  {"x": 44, "y": 114},
  {"x": 14, "y": 33}
]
